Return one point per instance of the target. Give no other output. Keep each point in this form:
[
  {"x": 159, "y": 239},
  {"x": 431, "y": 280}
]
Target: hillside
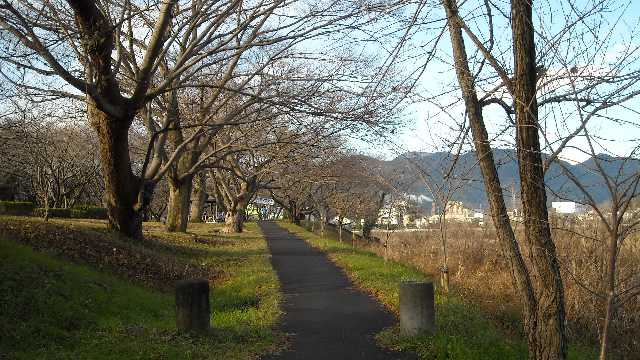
[{"x": 470, "y": 187}]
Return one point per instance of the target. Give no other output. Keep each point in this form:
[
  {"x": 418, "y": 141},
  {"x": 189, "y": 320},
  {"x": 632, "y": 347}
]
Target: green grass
[
  {"x": 53, "y": 309},
  {"x": 464, "y": 332}
]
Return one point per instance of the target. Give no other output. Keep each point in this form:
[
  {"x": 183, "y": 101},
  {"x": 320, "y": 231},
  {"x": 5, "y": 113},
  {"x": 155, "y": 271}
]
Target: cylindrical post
[
  {"x": 417, "y": 308},
  {"x": 192, "y": 305}
]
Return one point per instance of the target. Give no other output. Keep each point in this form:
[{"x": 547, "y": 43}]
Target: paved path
[{"x": 327, "y": 318}]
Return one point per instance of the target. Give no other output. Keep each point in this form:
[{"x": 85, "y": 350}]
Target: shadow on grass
[{"x": 54, "y": 309}]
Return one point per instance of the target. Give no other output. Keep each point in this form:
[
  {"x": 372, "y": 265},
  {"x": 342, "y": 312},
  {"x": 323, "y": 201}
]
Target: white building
[
  {"x": 568, "y": 207},
  {"x": 403, "y": 209},
  {"x": 456, "y": 211}
]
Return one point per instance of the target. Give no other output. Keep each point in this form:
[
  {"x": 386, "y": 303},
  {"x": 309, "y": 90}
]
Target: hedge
[
  {"x": 79, "y": 212},
  {"x": 53, "y": 212},
  {"x": 16, "y": 208},
  {"x": 89, "y": 212}
]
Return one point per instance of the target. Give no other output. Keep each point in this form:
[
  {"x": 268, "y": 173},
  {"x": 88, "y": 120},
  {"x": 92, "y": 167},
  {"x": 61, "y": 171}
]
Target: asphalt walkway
[{"x": 326, "y": 317}]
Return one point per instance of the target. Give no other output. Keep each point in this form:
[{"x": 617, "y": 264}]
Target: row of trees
[
  {"x": 304, "y": 168},
  {"x": 51, "y": 164},
  {"x": 180, "y": 90}
]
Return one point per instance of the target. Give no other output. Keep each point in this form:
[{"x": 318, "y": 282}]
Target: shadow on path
[{"x": 326, "y": 317}]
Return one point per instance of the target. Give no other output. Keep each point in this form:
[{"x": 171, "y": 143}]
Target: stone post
[
  {"x": 417, "y": 308},
  {"x": 192, "y": 305}
]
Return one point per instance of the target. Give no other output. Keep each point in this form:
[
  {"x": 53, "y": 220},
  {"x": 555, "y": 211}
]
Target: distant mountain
[{"x": 468, "y": 185}]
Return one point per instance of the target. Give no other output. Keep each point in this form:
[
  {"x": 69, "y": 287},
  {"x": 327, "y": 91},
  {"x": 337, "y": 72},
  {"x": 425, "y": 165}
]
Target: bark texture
[
  {"x": 111, "y": 118},
  {"x": 198, "y": 197},
  {"x": 178, "y": 204},
  {"x": 121, "y": 185},
  {"x": 234, "y": 220},
  {"x": 236, "y": 212},
  {"x": 550, "y": 316},
  {"x": 294, "y": 212},
  {"x": 180, "y": 177}
]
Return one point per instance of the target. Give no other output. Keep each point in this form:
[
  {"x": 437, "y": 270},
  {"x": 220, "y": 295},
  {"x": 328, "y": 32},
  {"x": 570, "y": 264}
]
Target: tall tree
[{"x": 539, "y": 283}]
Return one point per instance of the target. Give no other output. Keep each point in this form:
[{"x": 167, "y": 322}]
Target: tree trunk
[
  {"x": 444, "y": 270},
  {"x": 236, "y": 213},
  {"x": 541, "y": 346},
  {"x": 323, "y": 224},
  {"x": 198, "y": 198},
  {"x": 370, "y": 219},
  {"x": 550, "y": 327},
  {"x": 46, "y": 204},
  {"x": 178, "y": 204},
  {"x": 340, "y": 219},
  {"x": 386, "y": 241},
  {"x": 612, "y": 254},
  {"x": 234, "y": 221},
  {"x": 180, "y": 178},
  {"x": 293, "y": 212},
  {"x": 121, "y": 185},
  {"x": 236, "y": 202},
  {"x": 606, "y": 326}
]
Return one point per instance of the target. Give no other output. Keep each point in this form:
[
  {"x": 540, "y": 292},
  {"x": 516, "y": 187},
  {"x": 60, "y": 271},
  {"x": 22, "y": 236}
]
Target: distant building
[
  {"x": 568, "y": 208},
  {"x": 404, "y": 210},
  {"x": 456, "y": 211},
  {"x": 346, "y": 222},
  {"x": 478, "y": 216}
]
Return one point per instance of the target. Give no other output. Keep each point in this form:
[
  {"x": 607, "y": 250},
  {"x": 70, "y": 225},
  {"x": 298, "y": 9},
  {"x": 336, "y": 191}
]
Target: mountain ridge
[{"x": 467, "y": 185}]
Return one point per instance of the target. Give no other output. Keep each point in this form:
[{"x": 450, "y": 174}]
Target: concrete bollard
[
  {"x": 192, "y": 305},
  {"x": 417, "y": 308}
]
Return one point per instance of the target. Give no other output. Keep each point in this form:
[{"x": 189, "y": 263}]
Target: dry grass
[
  {"x": 155, "y": 262},
  {"x": 479, "y": 272}
]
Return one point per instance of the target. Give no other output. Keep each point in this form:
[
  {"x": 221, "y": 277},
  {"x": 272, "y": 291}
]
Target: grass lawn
[
  {"x": 463, "y": 331},
  {"x": 92, "y": 308}
]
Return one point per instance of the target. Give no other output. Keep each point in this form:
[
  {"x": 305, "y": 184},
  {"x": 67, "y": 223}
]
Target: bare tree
[
  {"x": 295, "y": 181},
  {"x": 620, "y": 177},
  {"x": 250, "y": 165},
  {"x": 443, "y": 180},
  {"x": 539, "y": 277},
  {"x": 539, "y": 283},
  {"x": 118, "y": 57},
  {"x": 55, "y": 161}
]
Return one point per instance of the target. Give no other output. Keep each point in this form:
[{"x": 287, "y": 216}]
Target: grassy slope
[
  {"x": 54, "y": 309},
  {"x": 463, "y": 331}
]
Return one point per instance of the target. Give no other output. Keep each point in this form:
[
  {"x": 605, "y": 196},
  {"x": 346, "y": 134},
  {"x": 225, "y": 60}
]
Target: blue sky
[{"x": 617, "y": 132}]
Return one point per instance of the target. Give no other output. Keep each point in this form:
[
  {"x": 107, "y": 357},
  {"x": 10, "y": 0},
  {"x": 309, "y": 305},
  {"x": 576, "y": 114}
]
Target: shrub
[
  {"x": 53, "y": 212},
  {"x": 16, "y": 208}
]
